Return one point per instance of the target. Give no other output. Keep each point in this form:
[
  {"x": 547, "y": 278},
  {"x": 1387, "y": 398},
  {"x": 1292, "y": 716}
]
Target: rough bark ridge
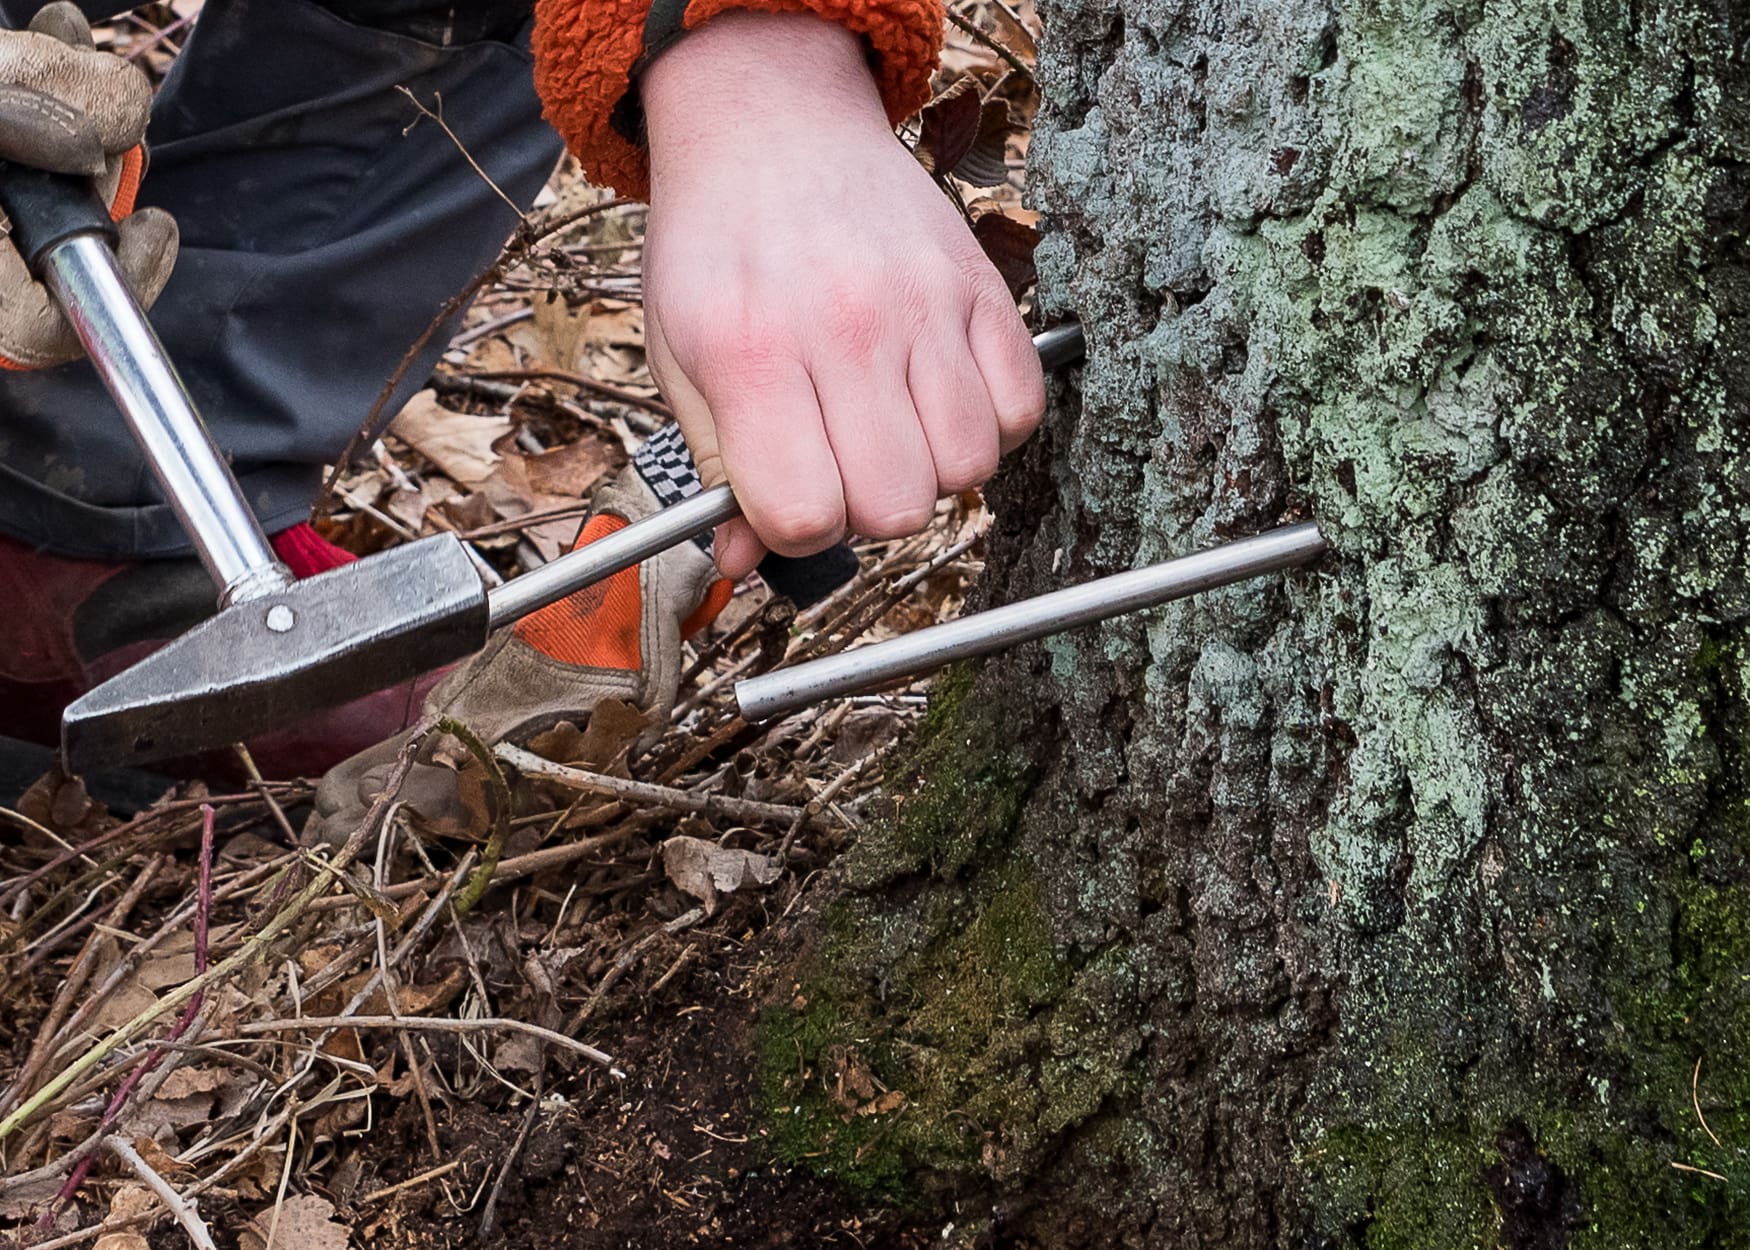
[{"x": 1391, "y": 904}]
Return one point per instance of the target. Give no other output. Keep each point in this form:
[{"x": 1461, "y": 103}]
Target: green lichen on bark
[{"x": 1390, "y": 904}]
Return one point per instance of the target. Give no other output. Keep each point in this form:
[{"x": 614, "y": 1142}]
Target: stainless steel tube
[
  {"x": 84, "y": 277},
  {"x": 1061, "y": 345},
  {"x": 788, "y": 689},
  {"x": 606, "y": 556}
]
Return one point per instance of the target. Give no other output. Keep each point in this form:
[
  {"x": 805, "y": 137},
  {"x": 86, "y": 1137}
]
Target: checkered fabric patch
[{"x": 666, "y": 466}]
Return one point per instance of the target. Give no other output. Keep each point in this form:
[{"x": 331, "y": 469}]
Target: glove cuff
[{"x": 588, "y": 52}]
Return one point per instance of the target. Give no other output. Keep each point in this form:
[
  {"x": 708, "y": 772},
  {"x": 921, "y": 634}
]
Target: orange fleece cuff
[{"x": 585, "y": 51}]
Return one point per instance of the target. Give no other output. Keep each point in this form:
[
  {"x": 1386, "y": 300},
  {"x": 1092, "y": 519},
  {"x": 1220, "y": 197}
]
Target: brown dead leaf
[
  {"x": 306, "y": 1222},
  {"x": 1015, "y": 33},
  {"x": 459, "y": 444},
  {"x": 124, "y": 1240},
  {"x": 1009, "y": 244},
  {"x": 130, "y": 1202},
  {"x": 186, "y": 1081},
  {"x": 889, "y": 1102},
  {"x": 966, "y": 135},
  {"x": 613, "y": 727},
  {"x": 704, "y": 869},
  {"x": 572, "y": 470}
]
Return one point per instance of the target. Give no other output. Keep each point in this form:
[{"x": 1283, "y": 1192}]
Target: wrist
[{"x": 757, "y": 75}]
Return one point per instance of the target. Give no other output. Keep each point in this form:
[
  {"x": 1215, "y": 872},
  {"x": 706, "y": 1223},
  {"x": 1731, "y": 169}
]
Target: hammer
[{"x": 279, "y": 648}]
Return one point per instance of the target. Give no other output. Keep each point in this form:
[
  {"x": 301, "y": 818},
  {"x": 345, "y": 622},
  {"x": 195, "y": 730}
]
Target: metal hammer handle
[
  {"x": 786, "y": 690},
  {"x": 534, "y": 590},
  {"x": 65, "y": 235}
]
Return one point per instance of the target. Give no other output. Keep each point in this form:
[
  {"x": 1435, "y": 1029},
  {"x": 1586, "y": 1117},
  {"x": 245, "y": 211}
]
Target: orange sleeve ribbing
[{"x": 585, "y": 51}]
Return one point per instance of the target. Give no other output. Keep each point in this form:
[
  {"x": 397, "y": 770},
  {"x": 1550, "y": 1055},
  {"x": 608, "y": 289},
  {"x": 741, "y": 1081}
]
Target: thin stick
[
  {"x": 433, "y": 1024},
  {"x": 438, "y": 117},
  {"x": 1015, "y": 63},
  {"x": 488, "y": 1216},
  {"x": 202, "y": 910},
  {"x": 1684, "y": 1167},
  {"x": 248, "y": 953},
  {"x": 185, "y": 1214},
  {"x": 582, "y": 382},
  {"x": 377, "y": 1195},
  {"x": 747, "y": 811},
  {"x": 1695, "y": 1099}
]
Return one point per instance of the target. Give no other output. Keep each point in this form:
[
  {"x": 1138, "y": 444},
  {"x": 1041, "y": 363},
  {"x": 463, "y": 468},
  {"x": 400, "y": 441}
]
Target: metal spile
[{"x": 789, "y": 689}]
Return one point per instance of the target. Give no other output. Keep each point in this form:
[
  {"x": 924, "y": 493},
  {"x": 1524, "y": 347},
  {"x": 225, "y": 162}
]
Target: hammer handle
[{"x": 64, "y": 233}]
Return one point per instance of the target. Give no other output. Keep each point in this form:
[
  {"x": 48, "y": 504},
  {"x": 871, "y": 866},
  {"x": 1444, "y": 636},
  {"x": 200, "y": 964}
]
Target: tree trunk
[{"x": 1394, "y": 902}]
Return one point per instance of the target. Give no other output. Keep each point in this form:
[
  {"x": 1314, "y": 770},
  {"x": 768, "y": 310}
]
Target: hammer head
[{"x": 262, "y": 664}]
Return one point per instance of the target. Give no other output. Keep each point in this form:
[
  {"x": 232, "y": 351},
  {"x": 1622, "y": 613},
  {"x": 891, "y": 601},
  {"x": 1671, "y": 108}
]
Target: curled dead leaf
[
  {"x": 704, "y": 869},
  {"x": 965, "y": 134}
]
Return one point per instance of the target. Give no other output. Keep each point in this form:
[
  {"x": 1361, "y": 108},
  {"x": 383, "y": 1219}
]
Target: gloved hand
[
  {"x": 618, "y": 638},
  {"x": 66, "y": 107}
]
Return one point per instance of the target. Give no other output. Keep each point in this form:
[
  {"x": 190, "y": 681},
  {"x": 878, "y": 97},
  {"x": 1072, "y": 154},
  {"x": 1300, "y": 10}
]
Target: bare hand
[{"x": 832, "y": 339}]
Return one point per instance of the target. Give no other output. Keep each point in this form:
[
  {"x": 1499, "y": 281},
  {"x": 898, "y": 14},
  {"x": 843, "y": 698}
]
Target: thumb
[
  {"x": 736, "y": 548},
  {"x": 146, "y": 249}
]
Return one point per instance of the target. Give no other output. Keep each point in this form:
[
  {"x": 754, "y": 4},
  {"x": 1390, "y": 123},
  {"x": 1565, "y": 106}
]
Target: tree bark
[{"x": 1393, "y": 902}]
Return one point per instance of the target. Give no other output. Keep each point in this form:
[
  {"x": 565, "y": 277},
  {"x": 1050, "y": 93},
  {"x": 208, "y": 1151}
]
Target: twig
[
  {"x": 424, "y": 1178},
  {"x": 185, "y": 1214},
  {"x": 747, "y": 811},
  {"x": 259, "y": 785},
  {"x": 470, "y": 893},
  {"x": 247, "y": 954},
  {"x": 970, "y": 27},
  {"x": 628, "y": 957},
  {"x": 438, "y": 117},
  {"x": 620, "y": 396},
  {"x": 202, "y": 911},
  {"x": 433, "y": 1024},
  {"x": 1684, "y": 1167},
  {"x": 488, "y": 1216},
  {"x": 1695, "y": 1100},
  {"x": 488, "y": 327}
]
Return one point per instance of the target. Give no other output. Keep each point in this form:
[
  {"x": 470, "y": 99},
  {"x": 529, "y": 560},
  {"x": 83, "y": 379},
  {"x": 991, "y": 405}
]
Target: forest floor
[{"x": 213, "y": 1033}]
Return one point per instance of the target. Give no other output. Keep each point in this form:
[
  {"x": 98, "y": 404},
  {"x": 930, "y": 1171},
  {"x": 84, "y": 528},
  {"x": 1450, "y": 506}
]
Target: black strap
[{"x": 664, "y": 24}]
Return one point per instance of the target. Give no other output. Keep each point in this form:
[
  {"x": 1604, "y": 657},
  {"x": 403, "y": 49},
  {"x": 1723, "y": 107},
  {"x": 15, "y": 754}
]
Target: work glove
[
  {"x": 66, "y": 107},
  {"x": 620, "y": 638}
]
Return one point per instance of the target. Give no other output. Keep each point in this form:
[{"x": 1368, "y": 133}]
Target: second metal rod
[
  {"x": 84, "y": 277},
  {"x": 786, "y": 690}
]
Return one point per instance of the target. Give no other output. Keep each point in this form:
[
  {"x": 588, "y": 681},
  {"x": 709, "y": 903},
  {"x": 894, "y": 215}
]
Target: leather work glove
[
  {"x": 66, "y": 107},
  {"x": 620, "y": 638}
]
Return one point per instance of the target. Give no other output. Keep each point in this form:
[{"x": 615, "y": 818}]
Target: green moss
[
  {"x": 1405, "y": 1189},
  {"x": 965, "y": 786}
]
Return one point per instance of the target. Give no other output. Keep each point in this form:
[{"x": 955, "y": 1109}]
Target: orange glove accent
[
  {"x": 600, "y": 625},
  {"x": 127, "y": 190},
  {"x": 585, "y": 51}
]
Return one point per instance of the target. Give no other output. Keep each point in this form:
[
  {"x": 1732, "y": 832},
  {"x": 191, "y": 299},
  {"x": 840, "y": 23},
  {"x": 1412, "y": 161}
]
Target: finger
[
  {"x": 38, "y": 130},
  {"x": 64, "y": 21},
  {"x": 1009, "y": 364},
  {"x": 146, "y": 248},
  {"x": 735, "y": 547},
  {"x": 883, "y": 457},
  {"x": 764, "y": 424},
  {"x": 114, "y": 96},
  {"x": 955, "y": 410}
]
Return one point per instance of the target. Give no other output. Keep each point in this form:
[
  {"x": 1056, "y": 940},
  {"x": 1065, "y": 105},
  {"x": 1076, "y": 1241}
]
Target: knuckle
[
  {"x": 895, "y": 518},
  {"x": 962, "y": 471},
  {"x": 801, "y": 527},
  {"x": 853, "y": 321}
]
